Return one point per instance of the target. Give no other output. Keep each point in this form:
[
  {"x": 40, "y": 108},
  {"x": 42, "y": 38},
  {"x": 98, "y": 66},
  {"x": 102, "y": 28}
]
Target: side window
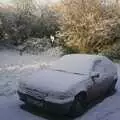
[
  {"x": 103, "y": 66},
  {"x": 108, "y": 67},
  {"x": 99, "y": 66}
]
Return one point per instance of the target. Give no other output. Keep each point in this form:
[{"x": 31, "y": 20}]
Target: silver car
[{"x": 70, "y": 83}]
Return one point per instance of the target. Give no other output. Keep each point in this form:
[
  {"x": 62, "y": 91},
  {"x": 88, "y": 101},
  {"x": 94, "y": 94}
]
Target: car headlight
[{"x": 63, "y": 96}]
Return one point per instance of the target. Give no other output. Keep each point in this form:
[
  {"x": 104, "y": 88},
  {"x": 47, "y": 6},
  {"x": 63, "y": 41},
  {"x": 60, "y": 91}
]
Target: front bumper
[{"x": 58, "y": 106}]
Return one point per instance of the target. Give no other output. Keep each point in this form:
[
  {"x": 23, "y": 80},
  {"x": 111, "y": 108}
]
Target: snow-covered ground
[{"x": 13, "y": 67}]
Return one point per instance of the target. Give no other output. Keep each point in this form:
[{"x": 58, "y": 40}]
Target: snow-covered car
[{"x": 69, "y": 83}]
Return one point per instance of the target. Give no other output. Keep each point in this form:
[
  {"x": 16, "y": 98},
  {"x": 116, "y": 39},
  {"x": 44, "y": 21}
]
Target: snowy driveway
[{"x": 13, "y": 67}]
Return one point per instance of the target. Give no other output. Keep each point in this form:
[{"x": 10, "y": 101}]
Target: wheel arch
[{"x": 83, "y": 94}]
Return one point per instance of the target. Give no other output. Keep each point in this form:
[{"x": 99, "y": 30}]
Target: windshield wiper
[{"x": 68, "y": 72}]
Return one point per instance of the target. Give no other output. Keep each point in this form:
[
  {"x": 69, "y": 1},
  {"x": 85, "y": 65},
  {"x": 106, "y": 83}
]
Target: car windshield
[{"x": 78, "y": 64}]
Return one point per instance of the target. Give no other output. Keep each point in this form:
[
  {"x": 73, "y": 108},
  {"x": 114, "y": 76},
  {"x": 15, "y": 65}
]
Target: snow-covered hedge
[{"x": 26, "y": 22}]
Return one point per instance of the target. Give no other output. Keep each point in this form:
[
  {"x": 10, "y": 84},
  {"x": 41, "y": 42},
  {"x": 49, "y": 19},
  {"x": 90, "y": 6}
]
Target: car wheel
[
  {"x": 111, "y": 89},
  {"x": 78, "y": 106}
]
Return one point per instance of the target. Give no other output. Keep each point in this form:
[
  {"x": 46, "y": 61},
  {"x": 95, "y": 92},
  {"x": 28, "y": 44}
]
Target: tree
[
  {"x": 28, "y": 20},
  {"x": 88, "y": 26}
]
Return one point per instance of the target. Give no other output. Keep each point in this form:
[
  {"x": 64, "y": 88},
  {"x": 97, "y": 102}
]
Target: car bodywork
[{"x": 66, "y": 78}]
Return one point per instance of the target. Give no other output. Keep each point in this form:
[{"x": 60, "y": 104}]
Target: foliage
[
  {"x": 113, "y": 52},
  {"x": 88, "y": 26},
  {"x": 28, "y": 20},
  {"x": 36, "y": 45},
  {"x": 46, "y": 24}
]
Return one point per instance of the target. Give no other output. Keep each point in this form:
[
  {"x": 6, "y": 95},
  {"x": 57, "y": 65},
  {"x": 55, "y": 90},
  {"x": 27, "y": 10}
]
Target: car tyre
[
  {"x": 111, "y": 89},
  {"x": 78, "y": 106}
]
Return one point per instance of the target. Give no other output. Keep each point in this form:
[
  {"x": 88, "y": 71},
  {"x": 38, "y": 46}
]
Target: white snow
[
  {"x": 52, "y": 81},
  {"x": 13, "y": 67},
  {"x": 76, "y": 63},
  {"x": 10, "y": 110},
  {"x": 10, "y": 73}
]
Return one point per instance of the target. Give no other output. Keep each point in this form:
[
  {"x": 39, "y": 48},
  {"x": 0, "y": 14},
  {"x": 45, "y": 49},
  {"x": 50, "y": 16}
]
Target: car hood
[{"x": 55, "y": 81}]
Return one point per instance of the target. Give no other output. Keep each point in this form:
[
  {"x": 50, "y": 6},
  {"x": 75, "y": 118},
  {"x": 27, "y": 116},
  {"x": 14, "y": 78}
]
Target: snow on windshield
[{"x": 77, "y": 63}]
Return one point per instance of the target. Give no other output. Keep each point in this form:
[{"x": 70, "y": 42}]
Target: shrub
[
  {"x": 113, "y": 52},
  {"x": 45, "y": 23},
  {"x": 36, "y": 45},
  {"x": 24, "y": 23},
  {"x": 88, "y": 26}
]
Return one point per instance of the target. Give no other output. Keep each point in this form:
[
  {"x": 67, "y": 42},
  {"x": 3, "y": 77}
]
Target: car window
[
  {"x": 109, "y": 67},
  {"x": 104, "y": 66},
  {"x": 99, "y": 66}
]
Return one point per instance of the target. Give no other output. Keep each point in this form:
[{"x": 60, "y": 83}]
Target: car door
[
  {"x": 105, "y": 69},
  {"x": 96, "y": 88},
  {"x": 109, "y": 72},
  {"x": 100, "y": 83}
]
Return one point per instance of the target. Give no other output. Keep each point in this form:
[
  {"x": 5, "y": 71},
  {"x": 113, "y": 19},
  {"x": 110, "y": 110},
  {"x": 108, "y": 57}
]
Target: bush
[
  {"x": 113, "y": 52},
  {"x": 45, "y": 24},
  {"x": 39, "y": 19},
  {"x": 16, "y": 27},
  {"x": 36, "y": 45},
  {"x": 24, "y": 23},
  {"x": 88, "y": 26}
]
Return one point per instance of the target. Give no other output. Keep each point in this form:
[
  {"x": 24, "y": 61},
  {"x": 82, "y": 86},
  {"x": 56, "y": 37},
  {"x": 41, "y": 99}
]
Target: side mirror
[{"x": 95, "y": 75}]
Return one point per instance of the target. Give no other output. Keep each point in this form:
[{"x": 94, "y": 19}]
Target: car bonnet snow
[{"x": 54, "y": 81}]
